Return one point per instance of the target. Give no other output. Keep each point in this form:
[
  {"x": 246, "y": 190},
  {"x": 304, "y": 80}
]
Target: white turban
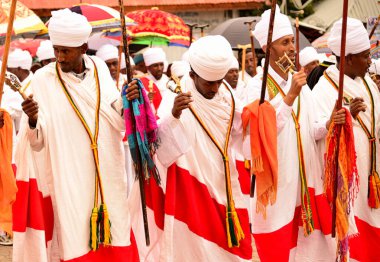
[
  {"x": 234, "y": 64},
  {"x": 282, "y": 27},
  {"x": 123, "y": 63},
  {"x": 375, "y": 67},
  {"x": 45, "y": 50},
  {"x": 308, "y": 55},
  {"x": 357, "y": 39},
  {"x": 108, "y": 52},
  {"x": 185, "y": 56},
  {"x": 180, "y": 68},
  {"x": 67, "y": 28},
  {"x": 210, "y": 57},
  {"x": 20, "y": 58},
  {"x": 154, "y": 55}
]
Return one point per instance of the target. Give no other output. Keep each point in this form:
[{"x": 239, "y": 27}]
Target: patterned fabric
[{"x": 146, "y": 130}]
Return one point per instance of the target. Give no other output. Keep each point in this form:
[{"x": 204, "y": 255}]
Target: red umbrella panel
[{"x": 154, "y": 22}]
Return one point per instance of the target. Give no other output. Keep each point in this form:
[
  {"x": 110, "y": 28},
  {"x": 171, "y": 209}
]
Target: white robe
[
  {"x": 161, "y": 84},
  {"x": 193, "y": 184},
  {"x": 366, "y": 247},
  {"x": 70, "y": 168},
  {"x": 282, "y": 218}
]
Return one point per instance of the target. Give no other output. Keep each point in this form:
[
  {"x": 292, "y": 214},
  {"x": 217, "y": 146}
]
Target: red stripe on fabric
[
  {"x": 190, "y": 202},
  {"x": 366, "y": 246},
  {"x": 155, "y": 200},
  {"x": 14, "y": 169},
  {"x": 322, "y": 214},
  {"x": 276, "y": 245},
  {"x": 244, "y": 177},
  {"x": 157, "y": 96},
  {"x": 111, "y": 254},
  {"x": 32, "y": 210}
]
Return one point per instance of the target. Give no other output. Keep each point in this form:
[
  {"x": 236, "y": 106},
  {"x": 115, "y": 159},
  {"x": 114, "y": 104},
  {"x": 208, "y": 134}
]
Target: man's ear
[
  {"x": 84, "y": 48},
  {"x": 192, "y": 75},
  {"x": 349, "y": 60},
  {"x": 264, "y": 48}
]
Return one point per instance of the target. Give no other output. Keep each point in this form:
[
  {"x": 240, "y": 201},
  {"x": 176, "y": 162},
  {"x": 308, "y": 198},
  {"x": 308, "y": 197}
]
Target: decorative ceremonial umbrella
[
  {"x": 26, "y": 24},
  {"x": 30, "y": 45},
  {"x": 235, "y": 31},
  {"x": 100, "y": 17},
  {"x": 158, "y": 24}
]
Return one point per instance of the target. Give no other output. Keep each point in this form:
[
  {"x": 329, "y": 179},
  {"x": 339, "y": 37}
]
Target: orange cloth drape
[
  {"x": 8, "y": 187},
  {"x": 261, "y": 120}
]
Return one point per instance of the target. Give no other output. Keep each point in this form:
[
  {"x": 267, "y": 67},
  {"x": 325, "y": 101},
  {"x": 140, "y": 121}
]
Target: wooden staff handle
[
  {"x": 138, "y": 167},
  {"x": 12, "y": 12},
  {"x": 267, "y": 53},
  {"x": 374, "y": 27}
]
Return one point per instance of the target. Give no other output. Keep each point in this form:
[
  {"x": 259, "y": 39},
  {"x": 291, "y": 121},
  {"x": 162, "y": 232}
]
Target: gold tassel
[
  {"x": 94, "y": 229},
  {"x": 235, "y": 232},
  {"x": 247, "y": 164},
  {"x": 107, "y": 227}
]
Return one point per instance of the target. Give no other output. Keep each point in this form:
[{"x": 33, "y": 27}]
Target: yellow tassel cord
[
  {"x": 247, "y": 164},
  {"x": 234, "y": 230},
  {"x": 306, "y": 213},
  {"x": 100, "y": 225}
]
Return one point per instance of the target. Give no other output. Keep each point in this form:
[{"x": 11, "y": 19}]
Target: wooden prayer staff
[
  {"x": 259, "y": 117},
  {"x": 7, "y": 46},
  {"x": 339, "y": 106},
  {"x": 202, "y": 27},
  {"x": 244, "y": 54},
  {"x": 191, "y": 26},
  {"x": 268, "y": 50},
  {"x": 250, "y": 29},
  {"x": 138, "y": 164},
  {"x": 297, "y": 13},
  {"x": 374, "y": 27}
]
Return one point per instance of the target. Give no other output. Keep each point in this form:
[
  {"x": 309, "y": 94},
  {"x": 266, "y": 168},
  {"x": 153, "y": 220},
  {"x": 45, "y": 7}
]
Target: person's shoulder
[
  {"x": 45, "y": 71},
  {"x": 255, "y": 81}
]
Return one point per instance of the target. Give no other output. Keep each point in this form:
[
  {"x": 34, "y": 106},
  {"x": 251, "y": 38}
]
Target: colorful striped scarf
[{"x": 146, "y": 131}]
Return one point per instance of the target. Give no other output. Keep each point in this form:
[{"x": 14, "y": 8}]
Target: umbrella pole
[
  {"x": 191, "y": 26},
  {"x": 250, "y": 30},
  {"x": 138, "y": 166},
  {"x": 339, "y": 106},
  {"x": 7, "y": 46}
]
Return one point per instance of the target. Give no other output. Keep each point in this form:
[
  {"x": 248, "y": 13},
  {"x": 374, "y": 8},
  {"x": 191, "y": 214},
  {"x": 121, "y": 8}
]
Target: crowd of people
[{"x": 74, "y": 168}]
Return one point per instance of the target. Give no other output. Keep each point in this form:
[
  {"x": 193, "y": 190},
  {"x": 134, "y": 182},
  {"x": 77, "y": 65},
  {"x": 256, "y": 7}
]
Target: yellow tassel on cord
[
  {"x": 107, "y": 227},
  {"x": 94, "y": 229},
  {"x": 307, "y": 222},
  {"x": 234, "y": 230},
  {"x": 374, "y": 190}
]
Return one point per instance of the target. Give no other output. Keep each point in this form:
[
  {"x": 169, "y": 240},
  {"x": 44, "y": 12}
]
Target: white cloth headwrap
[
  {"x": 375, "y": 67},
  {"x": 123, "y": 63},
  {"x": 154, "y": 55},
  {"x": 45, "y": 50},
  {"x": 20, "y": 58},
  {"x": 67, "y": 28},
  {"x": 108, "y": 52},
  {"x": 210, "y": 57},
  {"x": 180, "y": 68},
  {"x": 234, "y": 64},
  {"x": 308, "y": 55},
  {"x": 357, "y": 39},
  {"x": 185, "y": 56},
  {"x": 282, "y": 27}
]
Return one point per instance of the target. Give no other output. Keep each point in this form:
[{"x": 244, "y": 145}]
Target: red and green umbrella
[{"x": 157, "y": 25}]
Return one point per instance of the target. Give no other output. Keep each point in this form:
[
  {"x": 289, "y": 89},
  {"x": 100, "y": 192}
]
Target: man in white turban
[
  {"x": 193, "y": 171},
  {"x": 154, "y": 59},
  {"x": 309, "y": 59},
  {"x": 19, "y": 64},
  {"x": 45, "y": 52},
  {"x": 232, "y": 78},
  {"x": 110, "y": 55},
  {"x": 278, "y": 234},
  {"x": 74, "y": 116},
  {"x": 362, "y": 94},
  {"x": 180, "y": 68}
]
